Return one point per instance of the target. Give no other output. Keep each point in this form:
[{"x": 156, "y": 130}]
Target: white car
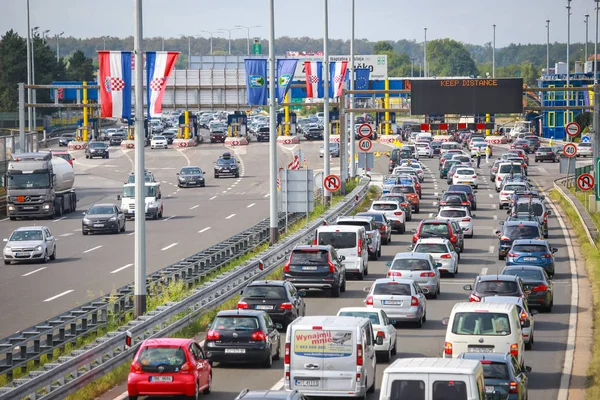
[
  {"x": 424, "y": 149},
  {"x": 382, "y": 326},
  {"x": 525, "y": 315},
  {"x": 585, "y": 150},
  {"x": 442, "y": 252},
  {"x": 465, "y": 176},
  {"x": 460, "y": 215},
  {"x": 415, "y": 166},
  {"x": 420, "y": 267},
  {"x": 392, "y": 211},
  {"x": 507, "y": 191},
  {"x": 159, "y": 142},
  {"x": 473, "y": 141},
  {"x": 505, "y": 169},
  {"x": 30, "y": 243},
  {"x": 481, "y": 146}
]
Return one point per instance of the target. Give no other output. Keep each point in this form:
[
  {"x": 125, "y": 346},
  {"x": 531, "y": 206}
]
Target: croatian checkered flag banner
[
  {"x": 337, "y": 75},
  {"x": 314, "y": 79},
  {"x": 114, "y": 79},
  {"x": 159, "y": 65}
]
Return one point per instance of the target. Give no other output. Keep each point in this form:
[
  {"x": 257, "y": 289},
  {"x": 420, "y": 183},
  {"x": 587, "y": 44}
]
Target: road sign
[
  {"x": 573, "y": 129},
  {"x": 586, "y": 139},
  {"x": 365, "y": 130},
  {"x": 365, "y": 144},
  {"x": 570, "y": 150},
  {"x": 332, "y": 183},
  {"x": 257, "y": 47},
  {"x": 585, "y": 182}
]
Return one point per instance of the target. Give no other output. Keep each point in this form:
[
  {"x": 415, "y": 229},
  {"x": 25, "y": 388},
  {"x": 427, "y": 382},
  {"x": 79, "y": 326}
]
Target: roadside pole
[
  {"x": 273, "y": 212},
  {"x": 21, "y": 116},
  {"x": 326, "y": 164},
  {"x": 343, "y": 146},
  {"x": 596, "y": 141},
  {"x": 343, "y": 100}
]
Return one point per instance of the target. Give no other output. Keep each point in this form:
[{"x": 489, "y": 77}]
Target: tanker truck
[{"x": 39, "y": 186}]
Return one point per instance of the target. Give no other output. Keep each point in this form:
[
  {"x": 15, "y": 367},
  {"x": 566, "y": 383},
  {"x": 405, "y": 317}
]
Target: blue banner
[
  {"x": 362, "y": 80},
  {"x": 285, "y": 75},
  {"x": 256, "y": 81}
]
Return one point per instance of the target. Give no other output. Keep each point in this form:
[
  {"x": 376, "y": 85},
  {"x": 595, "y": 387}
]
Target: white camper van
[{"x": 351, "y": 243}]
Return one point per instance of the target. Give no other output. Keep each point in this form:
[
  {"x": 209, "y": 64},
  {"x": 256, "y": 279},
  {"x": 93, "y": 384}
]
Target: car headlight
[
  {"x": 113, "y": 219},
  {"x": 86, "y": 221},
  {"x": 46, "y": 206},
  {"x": 38, "y": 248},
  {"x": 7, "y": 248}
]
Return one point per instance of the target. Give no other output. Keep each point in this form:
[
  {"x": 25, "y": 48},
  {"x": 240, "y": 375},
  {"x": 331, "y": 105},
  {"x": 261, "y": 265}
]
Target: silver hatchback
[
  {"x": 421, "y": 268},
  {"x": 401, "y": 299}
]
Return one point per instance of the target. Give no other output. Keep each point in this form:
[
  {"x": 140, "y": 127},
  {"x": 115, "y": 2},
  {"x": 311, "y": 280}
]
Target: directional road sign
[
  {"x": 570, "y": 150},
  {"x": 585, "y": 182},
  {"x": 332, "y": 183},
  {"x": 586, "y": 139},
  {"x": 573, "y": 129},
  {"x": 365, "y": 130},
  {"x": 365, "y": 144}
]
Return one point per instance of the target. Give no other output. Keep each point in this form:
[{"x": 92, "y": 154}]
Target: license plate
[
  {"x": 261, "y": 307},
  {"x": 481, "y": 349},
  {"x": 161, "y": 379},
  {"x": 225, "y": 170},
  {"x": 530, "y": 258},
  {"x": 392, "y": 302},
  {"x": 98, "y": 225},
  {"x": 235, "y": 351},
  {"x": 29, "y": 208},
  {"x": 303, "y": 382},
  {"x": 489, "y": 389},
  {"x": 309, "y": 268}
]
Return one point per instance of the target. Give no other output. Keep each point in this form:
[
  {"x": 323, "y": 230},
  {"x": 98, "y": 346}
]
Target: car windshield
[
  {"x": 453, "y": 213},
  {"x": 434, "y": 229},
  {"x": 407, "y": 264},
  {"x": 376, "y": 216},
  {"x": 495, "y": 370},
  {"x": 403, "y": 189},
  {"x": 225, "y": 161},
  {"x": 97, "y": 145},
  {"x": 129, "y": 191},
  {"x": 97, "y": 210},
  {"x": 385, "y": 206},
  {"x": 535, "y": 208},
  {"x": 463, "y": 171},
  {"x": 431, "y": 248},
  {"x": 190, "y": 171},
  {"x": 498, "y": 288},
  {"x": 28, "y": 181},
  {"x": 530, "y": 248},
  {"x": 584, "y": 145},
  {"x": 545, "y": 149},
  {"x": 310, "y": 257},
  {"x": 235, "y": 323},
  {"x": 453, "y": 198},
  {"x": 265, "y": 292},
  {"x": 511, "y": 187},
  {"x": 392, "y": 288},
  {"x": 20, "y": 236},
  {"x": 159, "y": 138},
  {"x": 521, "y": 231},
  {"x": 373, "y": 316},
  {"x": 506, "y": 169},
  {"x": 525, "y": 273},
  {"x": 150, "y": 356},
  {"x": 481, "y": 323},
  {"x": 339, "y": 240}
]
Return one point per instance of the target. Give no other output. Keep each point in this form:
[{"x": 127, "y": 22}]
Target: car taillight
[
  {"x": 394, "y": 273},
  {"x": 415, "y": 237},
  {"x": 540, "y": 288},
  {"x": 514, "y": 350},
  {"x": 548, "y": 255},
  {"x": 404, "y": 204},
  {"x": 499, "y": 178},
  {"x": 187, "y": 368},
  {"x": 359, "y": 244},
  {"x": 504, "y": 238},
  {"x": 369, "y": 301},
  {"x": 465, "y": 203},
  {"x": 381, "y": 334},
  {"x": 286, "y": 306},
  {"x": 259, "y": 336},
  {"x": 513, "y": 387},
  {"x": 213, "y": 335},
  {"x": 474, "y": 176},
  {"x": 286, "y": 356},
  {"x": 427, "y": 274},
  {"x": 391, "y": 162},
  {"x": 545, "y": 217},
  {"x": 523, "y": 315},
  {"x": 398, "y": 213},
  {"x": 242, "y": 304},
  {"x": 466, "y": 220},
  {"x": 447, "y": 255},
  {"x": 135, "y": 367},
  {"x": 503, "y": 194},
  {"x": 315, "y": 242},
  {"x": 512, "y": 254},
  {"x": 448, "y": 348},
  {"x": 474, "y": 299},
  {"x": 359, "y": 354},
  {"x": 414, "y": 301}
]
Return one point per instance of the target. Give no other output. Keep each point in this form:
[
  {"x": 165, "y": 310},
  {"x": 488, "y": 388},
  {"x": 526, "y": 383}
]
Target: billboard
[
  {"x": 376, "y": 63},
  {"x": 323, "y": 343}
]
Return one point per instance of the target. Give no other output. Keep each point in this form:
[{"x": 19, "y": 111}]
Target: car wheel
[
  {"x": 500, "y": 257},
  {"x": 500, "y": 206},
  {"x": 420, "y": 322},
  {"x": 402, "y": 228},
  {"x": 335, "y": 291},
  {"x": 133, "y": 398},
  {"x": 6, "y": 262},
  {"x": 160, "y": 214},
  {"x": 386, "y": 240},
  {"x": 385, "y": 356},
  {"x": 84, "y": 233},
  {"x": 379, "y": 252},
  {"x": 278, "y": 354},
  {"x": 53, "y": 256},
  {"x": 394, "y": 349},
  {"x": 417, "y": 210},
  {"x": 46, "y": 257},
  {"x": 361, "y": 276},
  {"x": 529, "y": 346},
  {"x": 209, "y": 387},
  {"x": 342, "y": 289}
]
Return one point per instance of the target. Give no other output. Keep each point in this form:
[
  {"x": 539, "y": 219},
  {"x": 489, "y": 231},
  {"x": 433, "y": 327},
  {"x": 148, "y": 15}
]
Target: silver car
[
  {"x": 525, "y": 315},
  {"x": 420, "y": 267},
  {"x": 442, "y": 252},
  {"x": 31, "y": 243},
  {"x": 401, "y": 299}
]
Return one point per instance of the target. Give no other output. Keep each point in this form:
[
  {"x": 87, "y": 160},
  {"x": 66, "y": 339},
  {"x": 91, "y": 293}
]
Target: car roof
[
  {"x": 530, "y": 241},
  {"x": 102, "y": 205},
  {"x": 454, "y": 208},
  {"x": 478, "y": 306},
  {"x": 388, "y": 280},
  {"x": 525, "y": 223},
  {"x": 31, "y": 228},
  {"x": 356, "y": 218},
  {"x": 503, "y": 299},
  {"x": 432, "y": 240},
  {"x": 167, "y": 342},
  {"x": 490, "y": 278},
  {"x": 433, "y": 365},
  {"x": 364, "y": 309},
  {"x": 494, "y": 357},
  {"x": 240, "y": 312},
  {"x": 268, "y": 283},
  {"x": 434, "y": 221},
  {"x": 411, "y": 255}
]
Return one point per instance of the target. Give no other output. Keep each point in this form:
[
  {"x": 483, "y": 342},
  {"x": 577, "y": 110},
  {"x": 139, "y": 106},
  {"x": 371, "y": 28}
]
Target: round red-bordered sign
[
  {"x": 365, "y": 130},
  {"x": 365, "y": 144},
  {"x": 573, "y": 129},
  {"x": 585, "y": 182},
  {"x": 570, "y": 150},
  {"x": 332, "y": 183}
]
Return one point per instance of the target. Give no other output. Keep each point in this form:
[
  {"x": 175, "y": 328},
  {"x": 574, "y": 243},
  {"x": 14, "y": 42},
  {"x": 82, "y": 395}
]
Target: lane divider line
[
  {"x": 131, "y": 234},
  {"x": 169, "y": 246},
  {"x": 121, "y": 269},
  {"x": 66, "y": 234},
  {"x": 212, "y": 198},
  {"x": 92, "y": 249},
  {"x": 231, "y": 216},
  {"x": 4, "y": 219},
  {"x": 250, "y": 205},
  {"x": 204, "y": 230},
  {"x": 59, "y": 219},
  {"x": 194, "y": 207},
  {"x": 33, "y": 272},
  {"x": 59, "y": 295},
  {"x": 171, "y": 217}
]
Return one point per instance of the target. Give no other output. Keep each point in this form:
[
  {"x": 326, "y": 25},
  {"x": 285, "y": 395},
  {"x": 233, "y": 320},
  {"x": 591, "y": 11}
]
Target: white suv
[
  {"x": 505, "y": 170},
  {"x": 424, "y": 149}
]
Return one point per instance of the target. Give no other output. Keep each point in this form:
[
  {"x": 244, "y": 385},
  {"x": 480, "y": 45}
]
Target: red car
[
  {"x": 521, "y": 153},
  {"x": 169, "y": 367},
  {"x": 65, "y": 155}
]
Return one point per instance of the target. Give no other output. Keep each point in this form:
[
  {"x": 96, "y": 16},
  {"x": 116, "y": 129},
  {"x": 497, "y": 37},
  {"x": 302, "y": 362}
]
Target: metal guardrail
[
  {"x": 17, "y": 350},
  {"x": 70, "y": 373}
]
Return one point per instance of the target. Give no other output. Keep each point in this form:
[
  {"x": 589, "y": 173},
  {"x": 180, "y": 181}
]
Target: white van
[
  {"x": 504, "y": 170},
  {"x": 349, "y": 241},
  {"x": 433, "y": 378},
  {"x": 330, "y": 356},
  {"x": 153, "y": 200},
  {"x": 484, "y": 328}
]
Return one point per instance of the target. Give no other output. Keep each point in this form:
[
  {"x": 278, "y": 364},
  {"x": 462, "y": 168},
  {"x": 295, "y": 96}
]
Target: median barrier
[
  {"x": 236, "y": 141},
  {"x": 184, "y": 143},
  {"x": 288, "y": 140},
  {"x": 77, "y": 145},
  {"x": 496, "y": 139},
  {"x": 390, "y": 139}
]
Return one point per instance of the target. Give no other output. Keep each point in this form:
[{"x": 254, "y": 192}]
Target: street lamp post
[
  {"x": 587, "y": 17},
  {"x": 425, "y": 55},
  {"x": 326, "y": 164},
  {"x": 29, "y": 93},
  {"x": 273, "y": 212},
  {"x": 58, "y": 35},
  {"x": 568, "y": 93},
  {"x": 596, "y": 50},
  {"x": 33, "y": 121},
  {"x": 547, "y": 47},
  {"x": 352, "y": 77},
  {"x": 248, "y": 36},
  {"x": 229, "y": 33},
  {"x": 412, "y": 67},
  {"x": 211, "y": 40},
  {"x": 494, "y": 53}
]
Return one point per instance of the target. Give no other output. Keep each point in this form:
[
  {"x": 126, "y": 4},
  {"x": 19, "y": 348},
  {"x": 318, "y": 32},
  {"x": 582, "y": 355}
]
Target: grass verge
[
  {"x": 592, "y": 263},
  {"x": 177, "y": 291}
]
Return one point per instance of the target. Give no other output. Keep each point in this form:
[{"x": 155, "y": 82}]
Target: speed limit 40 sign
[
  {"x": 570, "y": 150},
  {"x": 365, "y": 144}
]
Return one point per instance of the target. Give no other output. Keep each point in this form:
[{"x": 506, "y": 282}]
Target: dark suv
[
  {"x": 280, "y": 299},
  {"x": 263, "y": 134},
  {"x": 534, "y": 206},
  {"x": 468, "y": 189},
  {"x": 96, "y": 149},
  {"x": 440, "y": 228},
  {"x": 513, "y": 230},
  {"x": 495, "y": 285},
  {"x": 316, "y": 267},
  {"x": 226, "y": 165},
  {"x": 455, "y": 199}
]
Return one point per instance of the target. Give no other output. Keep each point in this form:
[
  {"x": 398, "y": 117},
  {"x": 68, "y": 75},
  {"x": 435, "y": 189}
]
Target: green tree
[
  {"x": 13, "y": 69},
  {"x": 382, "y": 47},
  {"x": 81, "y": 68},
  {"x": 447, "y": 57}
]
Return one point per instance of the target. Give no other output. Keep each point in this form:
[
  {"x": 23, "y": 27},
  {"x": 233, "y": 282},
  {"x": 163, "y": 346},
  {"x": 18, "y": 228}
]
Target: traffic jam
[{"x": 489, "y": 331}]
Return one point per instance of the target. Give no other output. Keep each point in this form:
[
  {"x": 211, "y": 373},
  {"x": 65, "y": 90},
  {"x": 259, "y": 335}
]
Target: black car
[
  {"x": 226, "y": 165},
  {"x": 96, "y": 149},
  {"x": 314, "y": 134},
  {"x": 170, "y": 136},
  {"x": 103, "y": 218},
  {"x": 64, "y": 140},
  {"x": 280, "y": 299},
  {"x": 513, "y": 230},
  {"x": 455, "y": 199},
  {"x": 468, "y": 189},
  {"x": 270, "y": 395},
  {"x": 247, "y": 336},
  {"x": 537, "y": 284},
  {"x": 190, "y": 176},
  {"x": 116, "y": 139},
  {"x": 316, "y": 267},
  {"x": 495, "y": 285},
  {"x": 437, "y": 147},
  {"x": 546, "y": 153},
  {"x": 263, "y": 134},
  {"x": 217, "y": 137}
]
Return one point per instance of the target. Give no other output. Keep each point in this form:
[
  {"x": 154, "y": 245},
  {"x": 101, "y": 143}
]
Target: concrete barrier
[
  {"x": 389, "y": 138},
  {"x": 496, "y": 139},
  {"x": 128, "y": 144},
  {"x": 236, "y": 141},
  {"x": 289, "y": 140},
  {"x": 184, "y": 143},
  {"x": 76, "y": 145}
]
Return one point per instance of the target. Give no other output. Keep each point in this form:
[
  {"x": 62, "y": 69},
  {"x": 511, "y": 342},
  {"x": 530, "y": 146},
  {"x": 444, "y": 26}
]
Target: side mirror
[
  {"x": 388, "y": 264},
  {"x": 5, "y": 240},
  {"x": 342, "y": 258},
  {"x": 468, "y": 287},
  {"x": 118, "y": 197},
  {"x": 457, "y": 249},
  {"x": 411, "y": 247},
  {"x": 278, "y": 325},
  {"x": 554, "y": 250},
  {"x": 301, "y": 293},
  {"x": 378, "y": 340},
  {"x": 177, "y": 173},
  {"x": 159, "y": 196},
  {"x": 445, "y": 321}
]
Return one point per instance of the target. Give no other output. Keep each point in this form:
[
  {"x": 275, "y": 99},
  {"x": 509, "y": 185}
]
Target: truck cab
[{"x": 153, "y": 200}]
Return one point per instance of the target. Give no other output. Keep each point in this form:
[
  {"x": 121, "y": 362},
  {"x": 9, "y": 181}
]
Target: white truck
[
  {"x": 153, "y": 200},
  {"x": 39, "y": 186}
]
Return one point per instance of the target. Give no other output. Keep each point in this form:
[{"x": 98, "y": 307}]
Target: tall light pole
[
  {"x": 211, "y": 40},
  {"x": 248, "y": 36},
  {"x": 326, "y": 165},
  {"x": 587, "y": 17},
  {"x": 273, "y": 212},
  {"x": 44, "y": 33},
  {"x": 140, "y": 223},
  {"x": 189, "y": 50},
  {"x": 58, "y": 35},
  {"x": 33, "y": 121},
  {"x": 412, "y": 67},
  {"x": 596, "y": 115},
  {"x": 104, "y": 41},
  {"x": 425, "y": 55},
  {"x": 567, "y": 93},
  {"x": 229, "y": 33},
  {"x": 352, "y": 77},
  {"x": 494, "y": 53},
  {"x": 29, "y": 94},
  {"x": 596, "y": 53},
  {"x": 547, "y": 47}
]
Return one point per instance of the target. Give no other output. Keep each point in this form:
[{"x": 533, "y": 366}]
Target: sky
[{"x": 468, "y": 21}]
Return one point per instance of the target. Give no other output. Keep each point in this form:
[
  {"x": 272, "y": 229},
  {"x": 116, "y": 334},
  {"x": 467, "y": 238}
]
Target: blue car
[
  {"x": 532, "y": 252},
  {"x": 502, "y": 376}
]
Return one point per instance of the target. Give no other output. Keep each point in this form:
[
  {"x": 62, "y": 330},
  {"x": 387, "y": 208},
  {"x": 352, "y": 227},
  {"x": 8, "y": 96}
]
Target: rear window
[
  {"x": 401, "y": 199},
  {"x": 385, "y": 206},
  {"x": 323, "y": 343},
  {"x": 235, "y": 323},
  {"x": 481, "y": 323},
  {"x": 453, "y": 213},
  {"x": 376, "y": 217},
  {"x": 403, "y": 389},
  {"x": 462, "y": 171},
  {"x": 373, "y": 316},
  {"x": 525, "y": 273},
  {"x": 522, "y": 232},
  {"x": 431, "y": 248},
  {"x": 530, "y": 248},
  {"x": 536, "y": 208},
  {"x": 506, "y": 168},
  {"x": 339, "y": 240},
  {"x": 405, "y": 264},
  {"x": 310, "y": 257},
  {"x": 365, "y": 224},
  {"x": 449, "y": 390},
  {"x": 265, "y": 292},
  {"x": 545, "y": 149},
  {"x": 497, "y": 288},
  {"x": 151, "y": 356},
  {"x": 454, "y": 198},
  {"x": 403, "y": 189},
  {"x": 392, "y": 289},
  {"x": 435, "y": 229},
  {"x": 495, "y": 370}
]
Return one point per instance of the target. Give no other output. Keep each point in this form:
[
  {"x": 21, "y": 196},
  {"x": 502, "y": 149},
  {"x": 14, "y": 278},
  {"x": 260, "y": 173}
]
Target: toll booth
[
  {"x": 334, "y": 121},
  {"x": 193, "y": 124},
  {"x": 93, "y": 128},
  {"x": 237, "y": 124},
  {"x": 281, "y": 123},
  {"x": 381, "y": 122}
]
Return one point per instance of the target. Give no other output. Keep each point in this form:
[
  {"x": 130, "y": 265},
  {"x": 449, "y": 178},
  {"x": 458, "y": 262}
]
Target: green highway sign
[{"x": 257, "y": 48}]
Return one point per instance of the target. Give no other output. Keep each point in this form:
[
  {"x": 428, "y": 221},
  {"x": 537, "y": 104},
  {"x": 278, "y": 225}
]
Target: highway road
[
  {"x": 195, "y": 218},
  {"x": 551, "y": 330}
]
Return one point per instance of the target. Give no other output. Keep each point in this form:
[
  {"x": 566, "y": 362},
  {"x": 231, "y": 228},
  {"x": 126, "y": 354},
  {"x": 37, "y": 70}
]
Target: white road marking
[
  {"x": 60, "y": 219},
  {"x": 59, "y": 295},
  {"x": 121, "y": 269},
  {"x": 34, "y": 271},
  {"x": 194, "y": 207},
  {"x": 231, "y": 216},
  {"x": 278, "y": 385},
  {"x": 204, "y": 230},
  {"x": 484, "y": 271},
  {"x": 491, "y": 196},
  {"x": 77, "y": 230},
  {"x": 92, "y": 249},
  {"x": 435, "y": 203},
  {"x": 169, "y": 246},
  {"x": 66, "y": 234},
  {"x": 5, "y": 219},
  {"x": 491, "y": 250},
  {"x": 224, "y": 191},
  {"x": 495, "y": 217},
  {"x": 212, "y": 198},
  {"x": 172, "y": 216},
  {"x": 430, "y": 215},
  {"x": 435, "y": 194},
  {"x": 267, "y": 195},
  {"x": 250, "y": 205},
  {"x": 131, "y": 234}
]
